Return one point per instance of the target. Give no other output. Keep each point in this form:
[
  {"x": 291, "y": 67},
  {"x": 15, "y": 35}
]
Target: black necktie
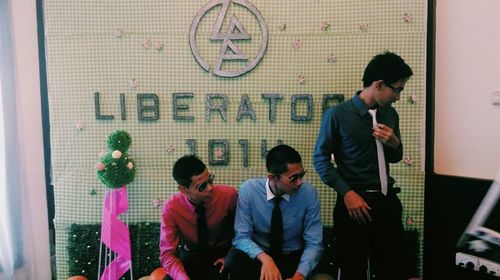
[
  {"x": 276, "y": 238},
  {"x": 201, "y": 223}
]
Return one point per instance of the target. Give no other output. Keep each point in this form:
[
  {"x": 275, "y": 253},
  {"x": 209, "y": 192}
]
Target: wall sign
[{"x": 228, "y": 40}]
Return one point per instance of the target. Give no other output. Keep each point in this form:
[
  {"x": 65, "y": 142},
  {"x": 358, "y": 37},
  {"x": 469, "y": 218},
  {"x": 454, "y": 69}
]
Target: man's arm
[
  {"x": 396, "y": 154},
  {"x": 169, "y": 239},
  {"x": 355, "y": 204},
  {"x": 313, "y": 235},
  {"x": 244, "y": 224},
  {"x": 323, "y": 150}
]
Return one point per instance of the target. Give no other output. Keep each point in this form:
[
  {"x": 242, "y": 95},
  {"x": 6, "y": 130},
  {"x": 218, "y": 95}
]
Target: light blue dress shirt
[{"x": 302, "y": 226}]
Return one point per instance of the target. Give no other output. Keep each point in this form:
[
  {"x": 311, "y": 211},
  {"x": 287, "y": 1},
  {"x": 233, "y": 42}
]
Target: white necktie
[{"x": 380, "y": 155}]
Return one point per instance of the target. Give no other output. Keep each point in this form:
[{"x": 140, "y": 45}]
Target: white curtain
[{"x": 13, "y": 247}]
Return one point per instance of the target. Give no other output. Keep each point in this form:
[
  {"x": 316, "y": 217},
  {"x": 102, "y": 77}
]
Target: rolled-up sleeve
[{"x": 244, "y": 224}]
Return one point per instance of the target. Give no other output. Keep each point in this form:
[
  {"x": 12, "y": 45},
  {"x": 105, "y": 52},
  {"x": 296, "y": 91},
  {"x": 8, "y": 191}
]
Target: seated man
[
  {"x": 200, "y": 219},
  {"x": 282, "y": 242}
]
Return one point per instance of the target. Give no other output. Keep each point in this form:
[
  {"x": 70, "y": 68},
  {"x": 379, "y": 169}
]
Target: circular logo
[{"x": 229, "y": 53}]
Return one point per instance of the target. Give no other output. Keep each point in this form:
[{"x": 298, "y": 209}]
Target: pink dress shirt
[{"x": 178, "y": 221}]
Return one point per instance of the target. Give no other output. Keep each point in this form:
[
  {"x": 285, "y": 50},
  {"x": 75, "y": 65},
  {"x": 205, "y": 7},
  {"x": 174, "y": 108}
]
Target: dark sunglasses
[
  {"x": 295, "y": 177},
  {"x": 201, "y": 187},
  {"x": 395, "y": 89}
]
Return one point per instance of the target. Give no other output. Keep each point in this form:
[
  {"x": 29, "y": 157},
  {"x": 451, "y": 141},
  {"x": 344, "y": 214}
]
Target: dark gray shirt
[{"x": 346, "y": 131}]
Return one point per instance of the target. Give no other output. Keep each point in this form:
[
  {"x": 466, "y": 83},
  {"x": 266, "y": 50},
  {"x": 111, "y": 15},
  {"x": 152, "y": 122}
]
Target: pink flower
[
  {"x": 100, "y": 166},
  {"x": 301, "y": 79},
  {"x": 331, "y": 58},
  {"x": 170, "y": 149},
  {"x": 133, "y": 83},
  {"x": 407, "y": 18},
  {"x": 363, "y": 26},
  {"x": 156, "y": 202},
  {"x": 116, "y": 154},
  {"x": 410, "y": 221},
  {"x": 130, "y": 165},
  {"x": 146, "y": 43},
  {"x": 325, "y": 25},
  {"x": 296, "y": 44},
  {"x": 79, "y": 125},
  {"x": 408, "y": 161},
  {"x": 158, "y": 46},
  {"x": 118, "y": 32}
]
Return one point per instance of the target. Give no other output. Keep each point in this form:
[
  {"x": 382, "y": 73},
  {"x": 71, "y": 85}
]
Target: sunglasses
[
  {"x": 201, "y": 187},
  {"x": 295, "y": 177}
]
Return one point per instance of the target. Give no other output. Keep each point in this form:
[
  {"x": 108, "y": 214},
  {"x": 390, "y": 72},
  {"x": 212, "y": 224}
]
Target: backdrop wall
[{"x": 130, "y": 65}]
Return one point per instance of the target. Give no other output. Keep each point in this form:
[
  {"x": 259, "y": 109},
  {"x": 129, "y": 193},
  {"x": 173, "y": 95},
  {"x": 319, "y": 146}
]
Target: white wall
[
  {"x": 467, "y": 125},
  {"x": 24, "y": 27}
]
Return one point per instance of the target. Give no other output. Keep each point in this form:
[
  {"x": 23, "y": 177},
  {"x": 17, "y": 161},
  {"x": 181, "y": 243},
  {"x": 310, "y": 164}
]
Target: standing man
[
  {"x": 196, "y": 224},
  {"x": 363, "y": 135},
  {"x": 278, "y": 227}
]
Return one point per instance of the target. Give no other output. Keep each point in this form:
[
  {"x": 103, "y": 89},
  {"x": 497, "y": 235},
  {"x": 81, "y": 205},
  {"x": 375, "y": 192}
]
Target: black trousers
[
  {"x": 199, "y": 265},
  {"x": 380, "y": 241},
  {"x": 242, "y": 267}
]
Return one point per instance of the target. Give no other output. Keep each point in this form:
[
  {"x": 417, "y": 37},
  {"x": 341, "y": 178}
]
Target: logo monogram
[{"x": 229, "y": 50}]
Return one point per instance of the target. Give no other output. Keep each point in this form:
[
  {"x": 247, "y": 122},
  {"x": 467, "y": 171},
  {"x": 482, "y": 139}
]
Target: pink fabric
[
  {"x": 178, "y": 221},
  {"x": 115, "y": 234}
]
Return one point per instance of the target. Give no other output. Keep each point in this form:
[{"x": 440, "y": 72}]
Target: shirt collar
[
  {"x": 270, "y": 195},
  {"x": 359, "y": 105}
]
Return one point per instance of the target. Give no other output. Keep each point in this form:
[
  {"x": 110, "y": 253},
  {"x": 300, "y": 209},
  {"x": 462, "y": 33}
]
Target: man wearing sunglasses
[
  {"x": 300, "y": 242},
  {"x": 367, "y": 215},
  {"x": 196, "y": 224}
]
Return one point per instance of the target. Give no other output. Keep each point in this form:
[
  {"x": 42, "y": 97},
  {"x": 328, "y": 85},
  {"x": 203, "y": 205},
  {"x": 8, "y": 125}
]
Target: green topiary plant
[{"x": 116, "y": 168}]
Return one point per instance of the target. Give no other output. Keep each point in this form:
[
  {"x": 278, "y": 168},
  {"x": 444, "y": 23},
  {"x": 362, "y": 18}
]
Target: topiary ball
[
  {"x": 116, "y": 168},
  {"x": 119, "y": 140}
]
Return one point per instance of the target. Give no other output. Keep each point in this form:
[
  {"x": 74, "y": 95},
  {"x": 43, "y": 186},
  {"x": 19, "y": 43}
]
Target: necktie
[
  {"x": 380, "y": 156},
  {"x": 276, "y": 238},
  {"x": 202, "y": 228}
]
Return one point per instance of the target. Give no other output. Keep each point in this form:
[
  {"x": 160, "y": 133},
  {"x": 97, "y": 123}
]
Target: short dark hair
[
  {"x": 279, "y": 157},
  {"x": 187, "y": 167},
  {"x": 388, "y": 67}
]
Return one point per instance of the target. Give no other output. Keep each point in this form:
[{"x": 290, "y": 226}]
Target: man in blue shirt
[
  {"x": 300, "y": 249},
  {"x": 367, "y": 215}
]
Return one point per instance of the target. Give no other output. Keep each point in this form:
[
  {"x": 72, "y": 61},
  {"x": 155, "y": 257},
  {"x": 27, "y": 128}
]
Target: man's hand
[
  {"x": 386, "y": 135},
  {"x": 268, "y": 270},
  {"x": 221, "y": 262},
  {"x": 297, "y": 276},
  {"x": 357, "y": 207}
]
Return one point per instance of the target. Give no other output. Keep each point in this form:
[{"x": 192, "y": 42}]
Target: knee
[{"x": 231, "y": 258}]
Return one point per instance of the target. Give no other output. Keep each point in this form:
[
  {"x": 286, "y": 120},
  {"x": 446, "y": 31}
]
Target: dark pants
[
  {"x": 241, "y": 266},
  {"x": 200, "y": 265},
  {"x": 380, "y": 241}
]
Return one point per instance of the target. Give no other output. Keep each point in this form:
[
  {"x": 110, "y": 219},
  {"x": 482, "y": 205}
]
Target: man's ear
[
  {"x": 182, "y": 189},
  {"x": 271, "y": 177},
  {"x": 378, "y": 84}
]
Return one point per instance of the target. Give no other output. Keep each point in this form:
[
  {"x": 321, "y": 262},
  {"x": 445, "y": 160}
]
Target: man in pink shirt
[{"x": 196, "y": 224}]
